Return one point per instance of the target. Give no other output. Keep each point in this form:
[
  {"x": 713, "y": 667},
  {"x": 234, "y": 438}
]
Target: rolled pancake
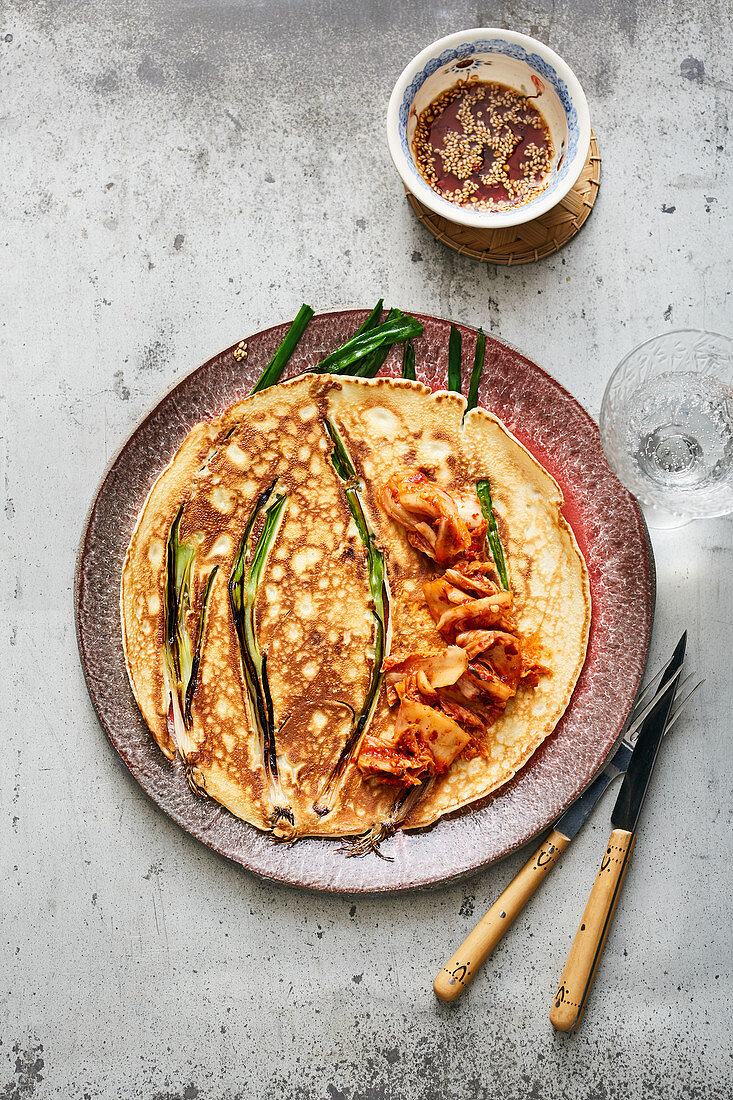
[{"x": 314, "y": 613}]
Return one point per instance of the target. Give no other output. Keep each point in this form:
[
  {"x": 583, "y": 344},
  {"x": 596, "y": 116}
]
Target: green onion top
[
  {"x": 372, "y": 364},
  {"x": 478, "y": 366},
  {"x": 483, "y": 488},
  {"x": 408, "y": 361},
  {"x": 454, "y": 360},
  {"x": 273, "y": 371},
  {"x": 392, "y": 331},
  {"x": 373, "y": 319}
]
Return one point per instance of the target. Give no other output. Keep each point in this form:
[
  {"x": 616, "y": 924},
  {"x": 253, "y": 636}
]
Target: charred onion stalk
[
  {"x": 398, "y": 327},
  {"x": 181, "y": 658},
  {"x": 483, "y": 489},
  {"x": 455, "y": 343},
  {"x": 193, "y": 677},
  {"x": 379, "y": 589},
  {"x": 402, "y": 807},
  {"x": 273, "y": 371},
  {"x": 478, "y": 366},
  {"x": 243, "y": 587}
]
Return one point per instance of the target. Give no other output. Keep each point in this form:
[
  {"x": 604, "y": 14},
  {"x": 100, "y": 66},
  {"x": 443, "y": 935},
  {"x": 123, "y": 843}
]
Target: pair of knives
[{"x": 635, "y": 763}]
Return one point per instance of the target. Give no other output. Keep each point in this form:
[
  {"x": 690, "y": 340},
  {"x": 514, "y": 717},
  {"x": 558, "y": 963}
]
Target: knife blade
[
  {"x": 585, "y": 954},
  {"x": 641, "y": 765},
  {"x": 578, "y": 812},
  {"x": 464, "y": 964}
]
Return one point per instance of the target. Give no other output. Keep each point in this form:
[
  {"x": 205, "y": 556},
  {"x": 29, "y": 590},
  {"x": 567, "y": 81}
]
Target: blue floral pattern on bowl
[{"x": 509, "y": 49}]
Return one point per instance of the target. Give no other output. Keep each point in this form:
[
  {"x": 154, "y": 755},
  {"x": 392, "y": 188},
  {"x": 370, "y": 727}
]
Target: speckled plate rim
[{"x": 164, "y": 783}]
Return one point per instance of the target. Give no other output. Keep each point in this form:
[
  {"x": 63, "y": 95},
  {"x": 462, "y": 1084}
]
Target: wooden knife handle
[
  {"x": 580, "y": 969},
  {"x": 462, "y": 967}
]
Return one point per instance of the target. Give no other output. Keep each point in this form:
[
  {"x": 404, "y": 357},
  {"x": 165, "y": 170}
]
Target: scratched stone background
[{"x": 174, "y": 175}]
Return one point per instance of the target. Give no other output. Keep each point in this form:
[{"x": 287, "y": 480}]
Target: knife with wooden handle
[
  {"x": 585, "y": 954},
  {"x": 462, "y": 967}
]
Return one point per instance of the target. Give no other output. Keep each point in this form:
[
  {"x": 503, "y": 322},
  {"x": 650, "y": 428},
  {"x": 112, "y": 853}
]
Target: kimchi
[
  {"x": 448, "y": 701},
  {"x": 440, "y": 525}
]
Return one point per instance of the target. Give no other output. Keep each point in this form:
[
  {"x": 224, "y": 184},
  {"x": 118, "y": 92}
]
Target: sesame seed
[{"x": 483, "y": 145}]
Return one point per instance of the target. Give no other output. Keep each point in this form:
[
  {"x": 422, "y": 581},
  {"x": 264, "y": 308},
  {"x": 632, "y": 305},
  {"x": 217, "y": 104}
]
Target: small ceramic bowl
[{"x": 504, "y": 57}]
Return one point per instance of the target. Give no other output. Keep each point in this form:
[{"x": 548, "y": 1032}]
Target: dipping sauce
[{"x": 484, "y": 146}]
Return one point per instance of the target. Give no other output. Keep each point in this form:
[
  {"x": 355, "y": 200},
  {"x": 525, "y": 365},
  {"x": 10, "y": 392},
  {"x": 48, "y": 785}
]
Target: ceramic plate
[{"x": 609, "y": 529}]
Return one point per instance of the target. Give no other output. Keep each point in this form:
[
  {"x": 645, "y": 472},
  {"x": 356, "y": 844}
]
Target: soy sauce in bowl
[{"x": 484, "y": 146}]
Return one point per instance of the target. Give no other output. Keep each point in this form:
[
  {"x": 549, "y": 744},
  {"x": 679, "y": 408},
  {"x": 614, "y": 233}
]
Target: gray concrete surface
[{"x": 173, "y": 176}]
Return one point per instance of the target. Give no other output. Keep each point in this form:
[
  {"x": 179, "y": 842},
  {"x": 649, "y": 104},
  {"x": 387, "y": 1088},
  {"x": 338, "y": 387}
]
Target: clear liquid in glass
[{"x": 680, "y": 441}]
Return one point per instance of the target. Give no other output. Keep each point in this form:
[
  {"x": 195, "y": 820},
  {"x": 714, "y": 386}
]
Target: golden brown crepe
[{"x": 314, "y": 614}]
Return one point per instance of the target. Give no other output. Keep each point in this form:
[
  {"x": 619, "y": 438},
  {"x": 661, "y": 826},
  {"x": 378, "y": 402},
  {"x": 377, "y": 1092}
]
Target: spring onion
[
  {"x": 373, "y": 319},
  {"x": 408, "y": 361},
  {"x": 454, "y": 359},
  {"x": 478, "y": 366},
  {"x": 273, "y": 371},
  {"x": 379, "y": 589},
  {"x": 373, "y": 363},
  {"x": 243, "y": 587},
  {"x": 402, "y": 807},
  {"x": 193, "y": 677},
  {"x": 400, "y": 327},
  {"x": 181, "y": 658},
  {"x": 483, "y": 488}
]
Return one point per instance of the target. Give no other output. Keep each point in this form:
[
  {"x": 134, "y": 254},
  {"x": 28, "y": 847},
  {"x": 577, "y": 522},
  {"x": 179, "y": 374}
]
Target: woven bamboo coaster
[{"x": 521, "y": 244}]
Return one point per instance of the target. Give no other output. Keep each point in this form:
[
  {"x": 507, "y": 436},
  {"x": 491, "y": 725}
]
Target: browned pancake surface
[{"x": 313, "y": 612}]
